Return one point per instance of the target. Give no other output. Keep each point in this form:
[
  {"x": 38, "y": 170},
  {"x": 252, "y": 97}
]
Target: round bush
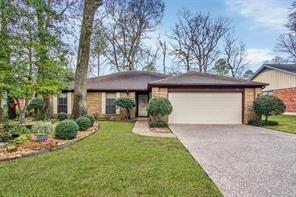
[
  {"x": 62, "y": 116},
  {"x": 67, "y": 129},
  {"x": 268, "y": 105},
  {"x": 159, "y": 107},
  {"x": 91, "y": 118},
  {"x": 125, "y": 103},
  {"x": 83, "y": 122}
]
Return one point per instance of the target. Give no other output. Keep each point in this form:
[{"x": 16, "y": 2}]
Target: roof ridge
[
  {"x": 202, "y": 74},
  {"x": 124, "y": 72}
]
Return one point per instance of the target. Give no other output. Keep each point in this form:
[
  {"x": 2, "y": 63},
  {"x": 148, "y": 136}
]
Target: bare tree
[
  {"x": 235, "y": 55},
  {"x": 164, "y": 49},
  {"x": 127, "y": 24},
  {"x": 197, "y": 37},
  {"x": 277, "y": 60},
  {"x": 150, "y": 57},
  {"x": 287, "y": 41},
  {"x": 80, "y": 89}
]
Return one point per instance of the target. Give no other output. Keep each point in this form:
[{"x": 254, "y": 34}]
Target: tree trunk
[
  {"x": 80, "y": 82},
  {"x": 128, "y": 113},
  {"x": 22, "y": 116},
  {"x": 1, "y": 109},
  {"x": 45, "y": 111}
]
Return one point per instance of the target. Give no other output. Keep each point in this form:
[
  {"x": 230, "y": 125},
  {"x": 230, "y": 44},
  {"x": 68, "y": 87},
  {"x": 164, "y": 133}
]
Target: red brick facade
[{"x": 288, "y": 96}]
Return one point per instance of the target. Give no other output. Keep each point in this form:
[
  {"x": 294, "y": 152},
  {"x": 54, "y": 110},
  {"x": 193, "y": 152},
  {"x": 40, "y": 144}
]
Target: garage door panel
[{"x": 206, "y": 108}]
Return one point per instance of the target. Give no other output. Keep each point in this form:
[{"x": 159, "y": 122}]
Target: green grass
[
  {"x": 286, "y": 123},
  {"x": 112, "y": 162}
]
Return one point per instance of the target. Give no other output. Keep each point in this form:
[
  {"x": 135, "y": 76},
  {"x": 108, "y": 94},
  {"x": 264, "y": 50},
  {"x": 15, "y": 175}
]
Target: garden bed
[{"x": 34, "y": 147}]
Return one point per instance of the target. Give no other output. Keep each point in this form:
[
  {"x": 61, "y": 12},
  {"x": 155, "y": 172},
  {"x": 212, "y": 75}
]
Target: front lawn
[
  {"x": 286, "y": 123},
  {"x": 112, "y": 162}
]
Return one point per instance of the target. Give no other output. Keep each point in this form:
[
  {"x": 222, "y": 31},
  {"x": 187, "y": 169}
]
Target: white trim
[
  {"x": 69, "y": 103},
  {"x": 55, "y": 104},
  {"x": 103, "y": 103},
  {"x": 117, "y": 108}
]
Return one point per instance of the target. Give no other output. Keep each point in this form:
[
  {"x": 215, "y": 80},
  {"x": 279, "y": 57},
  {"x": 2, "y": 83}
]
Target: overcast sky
[{"x": 258, "y": 23}]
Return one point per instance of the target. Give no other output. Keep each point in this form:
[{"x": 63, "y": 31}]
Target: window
[
  {"x": 110, "y": 107},
  {"x": 63, "y": 103}
]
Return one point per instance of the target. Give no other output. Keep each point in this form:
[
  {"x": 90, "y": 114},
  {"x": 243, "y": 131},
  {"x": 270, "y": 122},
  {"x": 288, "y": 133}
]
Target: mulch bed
[{"x": 34, "y": 147}]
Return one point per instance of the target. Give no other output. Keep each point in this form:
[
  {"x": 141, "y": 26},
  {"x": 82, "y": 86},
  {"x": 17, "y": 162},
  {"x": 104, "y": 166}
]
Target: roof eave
[
  {"x": 262, "y": 85},
  {"x": 267, "y": 66}
]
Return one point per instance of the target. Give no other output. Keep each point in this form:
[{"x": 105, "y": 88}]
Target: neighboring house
[
  {"x": 282, "y": 82},
  {"x": 197, "y": 98}
]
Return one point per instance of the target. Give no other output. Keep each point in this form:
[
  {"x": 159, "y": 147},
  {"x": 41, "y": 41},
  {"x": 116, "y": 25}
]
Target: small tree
[
  {"x": 126, "y": 103},
  {"x": 268, "y": 105},
  {"x": 159, "y": 106}
]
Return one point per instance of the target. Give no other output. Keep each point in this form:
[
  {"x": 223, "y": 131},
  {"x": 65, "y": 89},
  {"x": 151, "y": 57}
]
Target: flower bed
[{"x": 33, "y": 146}]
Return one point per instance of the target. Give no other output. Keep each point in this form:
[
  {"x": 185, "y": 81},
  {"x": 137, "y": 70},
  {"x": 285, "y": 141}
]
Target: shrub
[
  {"x": 66, "y": 129},
  {"x": 63, "y": 116},
  {"x": 268, "y": 105},
  {"x": 91, "y": 118},
  {"x": 83, "y": 122},
  {"x": 43, "y": 127},
  {"x": 260, "y": 123},
  {"x": 126, "y": 103},
  {"x": 159, "y": 107},
  {"x": 36, "y": 104},
  {"x": 157, "y": 123},
  {"x": 11, "y": 127}
]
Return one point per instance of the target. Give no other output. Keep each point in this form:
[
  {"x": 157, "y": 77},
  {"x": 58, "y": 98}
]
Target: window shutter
[
  {"x": 55, "y": 104},
  {"x": 117, "y": 97},
  {"x": 69, "y": 102},
  {"x": 103, "y": 103}
]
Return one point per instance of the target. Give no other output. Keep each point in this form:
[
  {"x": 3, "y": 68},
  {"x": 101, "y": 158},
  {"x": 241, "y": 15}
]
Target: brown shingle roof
[
  {"x": 204, "y": 79},
  {"x": 123, "y": 81}
]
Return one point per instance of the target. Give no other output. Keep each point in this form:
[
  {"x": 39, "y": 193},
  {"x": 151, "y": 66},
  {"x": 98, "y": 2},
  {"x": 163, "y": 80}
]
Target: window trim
[
  {"x": 63, "y": 105},
  {"x": 106, "y": 103}
]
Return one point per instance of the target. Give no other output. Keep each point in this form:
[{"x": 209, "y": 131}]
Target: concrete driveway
[{"x": 243, "y": 160}]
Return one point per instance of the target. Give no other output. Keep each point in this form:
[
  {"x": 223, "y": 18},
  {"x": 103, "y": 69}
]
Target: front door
[{"x": 142, "y": 105}]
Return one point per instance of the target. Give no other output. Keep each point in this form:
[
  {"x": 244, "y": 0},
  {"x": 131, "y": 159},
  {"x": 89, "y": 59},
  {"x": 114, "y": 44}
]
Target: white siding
[
  {"x": 69, "y": 102},
  {"x": 103, "y": 103},
  {"x": 55, "y": 104},
  {"x": 206, "y": 108},
  {"x": 117, "y": 97},
  {"x": 276, "y": 79}
]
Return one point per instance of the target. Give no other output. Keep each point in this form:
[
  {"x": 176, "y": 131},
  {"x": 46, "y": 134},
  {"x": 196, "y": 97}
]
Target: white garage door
[{"x": 206, "y": 108}]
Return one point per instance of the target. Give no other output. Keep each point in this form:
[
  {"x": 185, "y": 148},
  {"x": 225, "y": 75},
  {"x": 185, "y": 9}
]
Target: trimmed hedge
[
  {"x": 91, "y": 118},
  {"x": 63, "y": 116},
  {"x": 157, "y": 124},
  {"x": 261, "y": 123},
  {"x": 84, "y": 123},
  {"x": 66, "y": 129}
]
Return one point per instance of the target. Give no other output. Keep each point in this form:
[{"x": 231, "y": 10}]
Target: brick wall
[
  {"x": 250, "y": 94},
  {"x": 288, "y": 96},
  {"x": 162, "y": 92},
  {"x": 94, "y": 102}
]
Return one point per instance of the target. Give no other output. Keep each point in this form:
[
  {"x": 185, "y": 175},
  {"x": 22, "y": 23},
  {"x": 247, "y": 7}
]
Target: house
[
  {"x": 282, "y": 82},
  {"x": 197, "y": 98}
]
